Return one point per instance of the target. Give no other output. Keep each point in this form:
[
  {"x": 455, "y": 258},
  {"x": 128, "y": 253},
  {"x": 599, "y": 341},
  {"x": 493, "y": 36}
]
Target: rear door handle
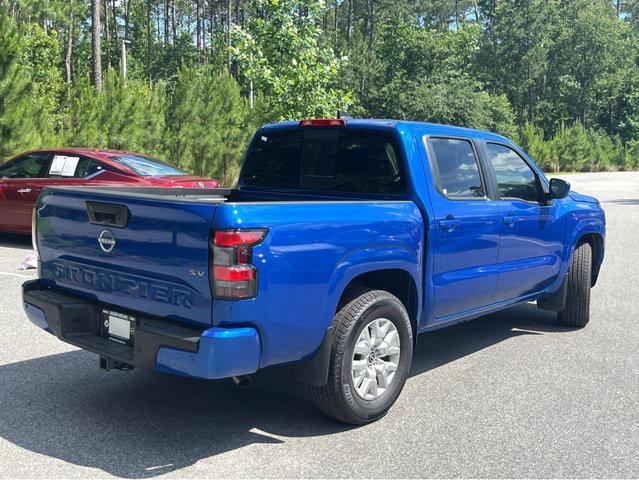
[
  {"x": 510, "y": 220},
  {"x": 24, "y": 190},
  {"x": 449, "y": 224}
]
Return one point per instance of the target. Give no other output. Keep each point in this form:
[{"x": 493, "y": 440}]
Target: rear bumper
[{"x": 159, "y": 345}]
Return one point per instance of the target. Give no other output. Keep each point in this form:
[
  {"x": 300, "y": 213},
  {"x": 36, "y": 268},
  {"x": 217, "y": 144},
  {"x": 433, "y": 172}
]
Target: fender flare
[{"x": 586, "y": 226}]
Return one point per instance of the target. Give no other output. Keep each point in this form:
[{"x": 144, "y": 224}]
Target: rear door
[
  {"x": 21, "y": 181},
  {"x": 468, "y": 225},
  {"x": 533, "y": 229}
]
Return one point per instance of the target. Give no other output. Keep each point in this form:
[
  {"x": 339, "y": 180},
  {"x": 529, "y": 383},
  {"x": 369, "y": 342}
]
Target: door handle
[
  {"x": 24, "y": 190},
  {"x": 449, "y": 224},
  {"x": 510, "y": 219}
]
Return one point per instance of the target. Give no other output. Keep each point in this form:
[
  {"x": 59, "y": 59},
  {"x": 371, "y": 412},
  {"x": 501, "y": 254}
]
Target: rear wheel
[
  {"x": 577, "y": 310},
  {"x": 370, "y": 359}
]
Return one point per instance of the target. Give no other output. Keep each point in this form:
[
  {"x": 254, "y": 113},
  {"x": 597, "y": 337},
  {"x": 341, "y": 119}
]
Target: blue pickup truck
[{"x": 343, "y": 241}]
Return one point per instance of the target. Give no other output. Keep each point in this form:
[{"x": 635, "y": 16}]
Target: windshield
[{"x": 146, "y": 166}]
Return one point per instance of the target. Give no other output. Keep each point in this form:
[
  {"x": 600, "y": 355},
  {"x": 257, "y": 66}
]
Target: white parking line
[{"x": 19, "y": 275}]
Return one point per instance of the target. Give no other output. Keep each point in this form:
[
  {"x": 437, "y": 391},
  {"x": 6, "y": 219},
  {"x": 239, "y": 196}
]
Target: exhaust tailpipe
[{"x": 242, "y": 381}]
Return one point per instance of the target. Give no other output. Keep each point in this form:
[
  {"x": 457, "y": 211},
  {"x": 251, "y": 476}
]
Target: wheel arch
[
  {"x": 597, "y": 245},
  {"x": 396, "y": 281}
]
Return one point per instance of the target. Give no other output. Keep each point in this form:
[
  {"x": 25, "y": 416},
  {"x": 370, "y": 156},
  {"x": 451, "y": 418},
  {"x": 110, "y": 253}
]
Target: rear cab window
[{"x": 346, "y": 160}]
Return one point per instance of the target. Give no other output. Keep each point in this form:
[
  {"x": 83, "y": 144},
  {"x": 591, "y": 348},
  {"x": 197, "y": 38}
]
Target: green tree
[
  {"x": 514, "y": 53},
  {"x": 438, "y": 87},
  {"x": 209, "y": 123},
  {"x": 23, "y": 119},
  {"x": 587, "y": 60},
  {"x": 281, "y": 52},
  {"x": 123, "y": 116}
]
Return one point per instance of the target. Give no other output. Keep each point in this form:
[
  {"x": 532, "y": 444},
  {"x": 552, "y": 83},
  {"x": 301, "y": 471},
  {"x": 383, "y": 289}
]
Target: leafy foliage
[
  {"x": 562, "y": 77},
  {"x": 210, "y": 121},
  {"x": 282, "y": 52}
]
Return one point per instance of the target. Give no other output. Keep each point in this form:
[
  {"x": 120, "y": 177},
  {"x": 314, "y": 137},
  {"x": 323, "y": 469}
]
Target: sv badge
[{"x": 196, "y": 273}]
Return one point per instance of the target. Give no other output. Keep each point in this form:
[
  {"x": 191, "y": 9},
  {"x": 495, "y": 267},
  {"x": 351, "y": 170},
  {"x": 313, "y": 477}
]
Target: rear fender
[
  {"x": 314, "y": 369},
  {"x": 370, "y": 259}
]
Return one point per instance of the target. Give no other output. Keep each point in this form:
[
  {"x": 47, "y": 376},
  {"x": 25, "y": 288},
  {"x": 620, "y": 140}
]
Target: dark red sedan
[{"x": 23, "y": 177}]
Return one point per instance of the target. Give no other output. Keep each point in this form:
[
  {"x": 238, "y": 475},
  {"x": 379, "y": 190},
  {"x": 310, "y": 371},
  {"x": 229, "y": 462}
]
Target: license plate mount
[{"x": 118, "y": 327}]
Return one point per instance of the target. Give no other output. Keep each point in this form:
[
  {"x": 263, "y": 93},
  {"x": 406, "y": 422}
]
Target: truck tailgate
[{"x": 146, "y": 253}]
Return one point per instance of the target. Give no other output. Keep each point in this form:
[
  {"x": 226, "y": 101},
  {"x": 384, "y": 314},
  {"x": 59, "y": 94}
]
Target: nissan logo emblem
[{"x": 106, "y": 239}]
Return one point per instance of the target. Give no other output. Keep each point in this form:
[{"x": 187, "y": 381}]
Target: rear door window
[
  {"x": 456, "y": 168},
  {"x": 326, "y": 159},
  {"x": 73, "y": 166}
]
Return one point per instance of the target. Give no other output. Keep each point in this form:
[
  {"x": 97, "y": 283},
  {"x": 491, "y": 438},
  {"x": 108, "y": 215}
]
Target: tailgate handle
[{"x": 108, "y": 214}]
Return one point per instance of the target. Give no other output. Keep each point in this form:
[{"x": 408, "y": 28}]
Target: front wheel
[
  {"x": 370, "y": 358},
  {"x": 576, "y": 313}
]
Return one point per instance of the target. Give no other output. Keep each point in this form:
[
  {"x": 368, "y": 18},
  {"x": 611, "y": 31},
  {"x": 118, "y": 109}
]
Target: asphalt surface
[{"x": 511, "y": 394}]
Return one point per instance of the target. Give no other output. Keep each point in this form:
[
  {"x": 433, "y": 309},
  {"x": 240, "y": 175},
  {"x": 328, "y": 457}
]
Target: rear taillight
[{"x": 233, "y": 275}]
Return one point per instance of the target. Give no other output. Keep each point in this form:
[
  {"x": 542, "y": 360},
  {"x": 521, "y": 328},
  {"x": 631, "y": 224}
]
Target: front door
[
  {"x": 468, "y": 225},
  {"x": 20, "y": 181},
  {"x": 532, "y": 239}
]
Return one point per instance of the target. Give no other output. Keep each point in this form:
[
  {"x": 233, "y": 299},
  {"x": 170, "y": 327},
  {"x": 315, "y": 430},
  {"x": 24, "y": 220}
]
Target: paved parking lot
[{"x": 507, "y": 395}]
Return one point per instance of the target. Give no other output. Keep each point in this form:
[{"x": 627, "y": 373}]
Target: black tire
[
  {"x": 576, "y": 313},
  {"x": 338, "y": 397}
]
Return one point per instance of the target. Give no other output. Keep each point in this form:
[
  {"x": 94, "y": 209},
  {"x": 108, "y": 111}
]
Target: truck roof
[{"x": 431, "y": 128}]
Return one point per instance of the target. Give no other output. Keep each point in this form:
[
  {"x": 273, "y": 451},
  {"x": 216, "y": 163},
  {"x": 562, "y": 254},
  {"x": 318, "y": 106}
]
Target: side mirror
[{"x": 559, "y": 188}]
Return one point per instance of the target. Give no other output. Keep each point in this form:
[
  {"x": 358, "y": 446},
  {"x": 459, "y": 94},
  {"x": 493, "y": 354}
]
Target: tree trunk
[
  {"x": 349, "y": 26},
  {"x": 335, "y": 27},
  {"x": 476, "y": 8},
  {"x": 107, "y": 36},
  {"x": 127, "y": 15},
  {"x": 371, "y": 38},
  {"x": 95, "y": 45},
  {"x": 237, "y": 21},
  {"x": 166, "y": 22},
  {"x": 228, "y": 36},
  {"x": 531, "y": 97},
  {"x": 148, "y": 38},
  {"x": 158, "y": 24},
  {"x": 68, "y": 58},
  {"x": 173, "y": 19},
  {"x": 114, "y": 12},
  {"x": 198, "y": 24},
  {"x": 212, "y": 25}
]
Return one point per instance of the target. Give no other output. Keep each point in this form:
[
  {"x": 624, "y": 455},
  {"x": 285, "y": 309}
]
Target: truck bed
[{"x": 161, "y": 262}]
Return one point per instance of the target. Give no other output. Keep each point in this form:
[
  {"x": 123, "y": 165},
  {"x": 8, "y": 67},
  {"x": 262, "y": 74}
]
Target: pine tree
[{"x": 22, "y": 116}]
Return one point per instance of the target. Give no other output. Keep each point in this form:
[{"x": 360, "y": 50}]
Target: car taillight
[
  {"x": 34, "y": 233},
  {"x": 233, "y": 276}
]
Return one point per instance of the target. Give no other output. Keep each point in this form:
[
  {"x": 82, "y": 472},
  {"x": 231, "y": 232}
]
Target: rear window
[
  {"x": 146, "y": 166},
  {"x": 327, "y": 159},
  {"x": 457, "y": 168}
]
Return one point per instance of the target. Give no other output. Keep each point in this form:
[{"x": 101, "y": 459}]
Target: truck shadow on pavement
[
  {"x": 15, "y": 241},
  {"x": 141, "y": 424}
]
